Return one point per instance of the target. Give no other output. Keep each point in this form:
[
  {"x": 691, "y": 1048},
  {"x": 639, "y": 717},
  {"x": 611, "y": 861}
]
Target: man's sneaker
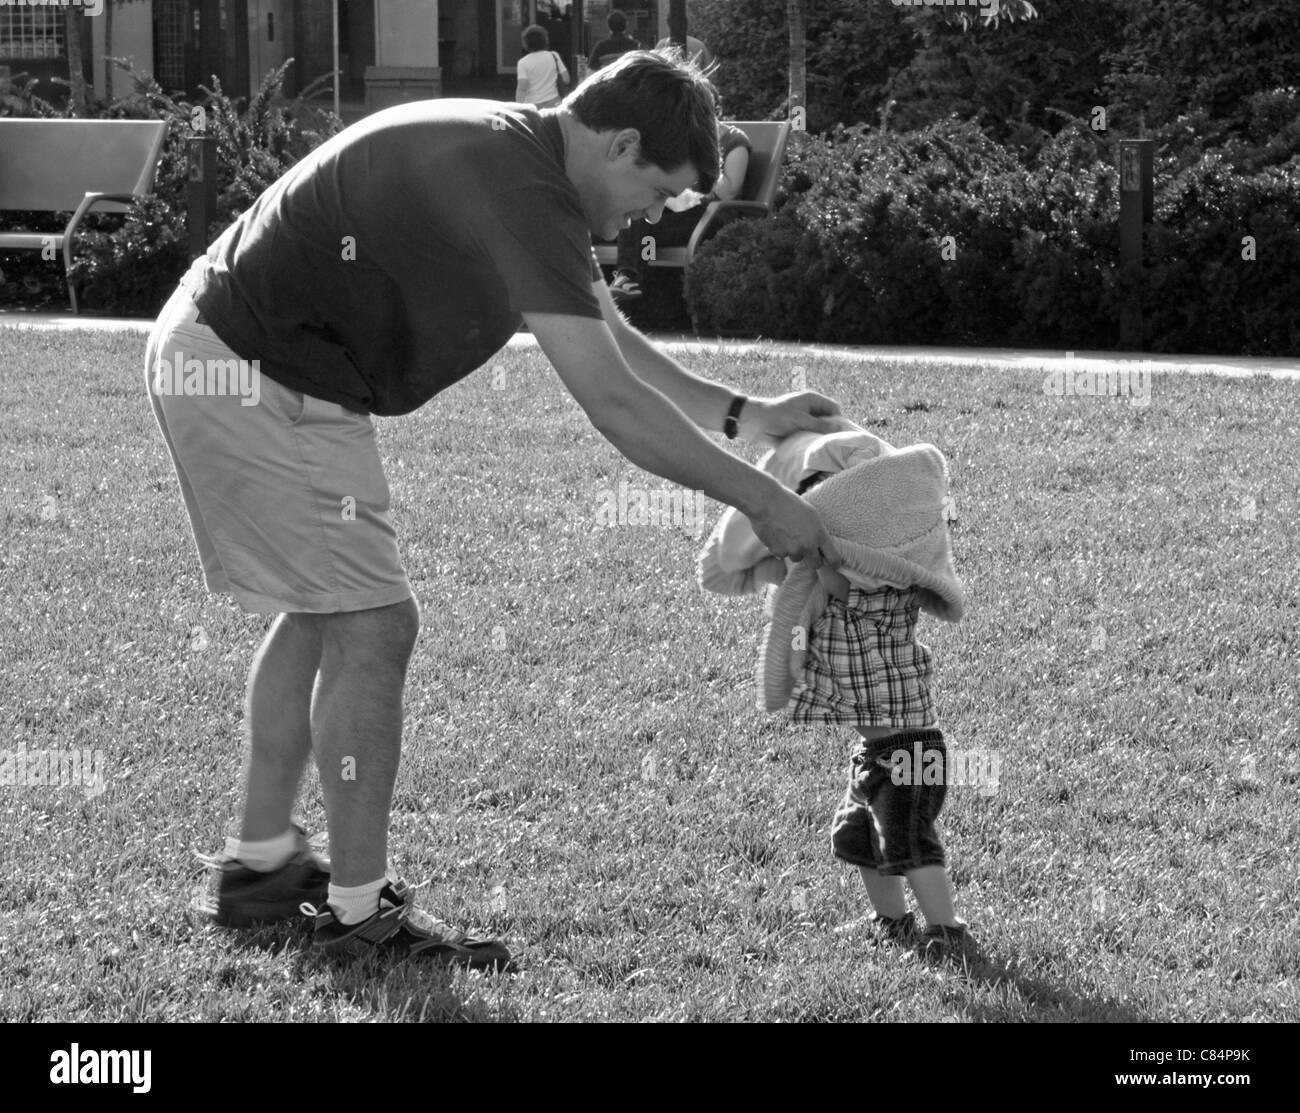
[
  {"x": 237, "y": 896},
  {"x": 403, "y": 930},
  {"x": 955, "y": 943}
]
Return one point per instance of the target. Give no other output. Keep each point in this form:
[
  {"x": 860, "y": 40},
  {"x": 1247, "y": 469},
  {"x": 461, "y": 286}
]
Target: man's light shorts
[{"x": 286, "y": 493}]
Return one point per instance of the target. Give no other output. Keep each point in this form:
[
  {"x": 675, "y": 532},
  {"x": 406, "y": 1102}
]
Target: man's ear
[{"x": 628, "y": 139}]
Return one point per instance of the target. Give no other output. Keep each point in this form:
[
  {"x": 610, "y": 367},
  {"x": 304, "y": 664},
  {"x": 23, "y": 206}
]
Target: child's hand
[{"x": 770, "y": 570}]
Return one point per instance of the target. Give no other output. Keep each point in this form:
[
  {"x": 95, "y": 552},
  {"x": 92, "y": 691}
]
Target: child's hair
[{"x": 810, "y": 481}]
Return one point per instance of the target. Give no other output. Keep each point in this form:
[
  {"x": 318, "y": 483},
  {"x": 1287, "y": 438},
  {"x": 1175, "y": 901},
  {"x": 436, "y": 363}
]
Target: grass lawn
[{"x": 585, "y": 769}]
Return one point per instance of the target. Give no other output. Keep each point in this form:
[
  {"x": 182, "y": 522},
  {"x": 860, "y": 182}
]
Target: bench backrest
[
  {"x": 49, "y": 165},
  {"x": 768, "y": 138}
]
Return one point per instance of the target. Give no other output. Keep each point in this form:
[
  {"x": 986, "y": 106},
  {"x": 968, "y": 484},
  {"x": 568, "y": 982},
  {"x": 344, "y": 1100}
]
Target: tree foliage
[{"x": 1147, "y": 61}]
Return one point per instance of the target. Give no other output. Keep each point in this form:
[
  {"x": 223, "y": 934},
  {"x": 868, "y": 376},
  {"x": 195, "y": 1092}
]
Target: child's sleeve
[{"x": 734, "y": 561}]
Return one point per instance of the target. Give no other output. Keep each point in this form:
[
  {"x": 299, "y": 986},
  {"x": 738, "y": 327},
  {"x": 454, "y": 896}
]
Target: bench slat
[{"x": 30, "y": 241}]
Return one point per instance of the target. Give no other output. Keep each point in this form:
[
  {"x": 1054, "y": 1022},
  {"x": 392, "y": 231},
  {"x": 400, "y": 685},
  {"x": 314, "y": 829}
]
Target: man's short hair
[
  {"x": 616, "y": 21},
  {"x": 668, "y": 100},
  {"x": 536, "y": 38}
]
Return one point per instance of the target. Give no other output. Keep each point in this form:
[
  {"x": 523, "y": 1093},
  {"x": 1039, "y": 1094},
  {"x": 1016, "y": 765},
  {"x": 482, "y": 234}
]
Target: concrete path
[{"x": 1237, "y": 367}]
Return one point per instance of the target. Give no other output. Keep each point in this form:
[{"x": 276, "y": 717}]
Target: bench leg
[{"x": 67, "y": 271}]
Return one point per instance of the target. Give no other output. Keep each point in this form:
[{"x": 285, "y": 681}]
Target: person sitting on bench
[{"x": 680, "y": 217}]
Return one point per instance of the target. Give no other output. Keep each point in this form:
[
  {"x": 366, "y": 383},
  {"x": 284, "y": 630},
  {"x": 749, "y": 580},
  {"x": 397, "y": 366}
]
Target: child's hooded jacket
[{"x": 884, "y": 507}]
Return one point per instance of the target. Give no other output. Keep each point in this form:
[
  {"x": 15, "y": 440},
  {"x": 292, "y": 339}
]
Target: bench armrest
[
  {"x": 87, "y": 203},
  {"x": 719, "y": 214}
]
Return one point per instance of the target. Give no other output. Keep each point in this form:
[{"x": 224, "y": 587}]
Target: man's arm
[
  {"x": 706, "y": 402},
  {"x": 652, "y": 433}
]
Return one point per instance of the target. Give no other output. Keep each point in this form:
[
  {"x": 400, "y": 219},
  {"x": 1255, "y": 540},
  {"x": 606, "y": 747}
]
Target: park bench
[
  {"x": 768, "y": 139},
  {"x": 73, "y": 166}
]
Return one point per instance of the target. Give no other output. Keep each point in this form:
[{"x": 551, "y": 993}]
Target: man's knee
[{"x": 382, "y": 635}]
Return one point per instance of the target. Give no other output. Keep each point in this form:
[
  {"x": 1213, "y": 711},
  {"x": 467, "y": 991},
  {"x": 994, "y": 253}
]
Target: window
[
  {"x": 169, "y": 43},
  {"x": 31, "y": 32}
]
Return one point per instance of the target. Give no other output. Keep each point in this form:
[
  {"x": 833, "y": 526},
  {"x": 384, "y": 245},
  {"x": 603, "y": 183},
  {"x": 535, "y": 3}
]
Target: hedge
[{"x": 943, "y": 236}]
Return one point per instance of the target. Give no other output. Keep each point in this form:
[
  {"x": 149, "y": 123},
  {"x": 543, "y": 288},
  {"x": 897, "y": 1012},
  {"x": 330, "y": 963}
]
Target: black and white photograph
[{"x": 660, "y": 512}]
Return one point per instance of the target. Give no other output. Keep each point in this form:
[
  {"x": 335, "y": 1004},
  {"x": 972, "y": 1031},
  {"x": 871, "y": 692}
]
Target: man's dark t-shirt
[
  {"x": 399, "y": 255},
  {"x": 611, "y": 49}
]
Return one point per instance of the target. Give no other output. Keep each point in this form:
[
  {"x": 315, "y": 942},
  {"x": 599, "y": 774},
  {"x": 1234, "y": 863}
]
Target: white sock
[
  {"x": 267, "y": 854},
  {"x": 357, "y": 902}
]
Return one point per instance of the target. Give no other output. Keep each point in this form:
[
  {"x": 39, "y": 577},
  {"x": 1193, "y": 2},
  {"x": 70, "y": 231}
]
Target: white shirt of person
[{"x": 535, "y": 74}]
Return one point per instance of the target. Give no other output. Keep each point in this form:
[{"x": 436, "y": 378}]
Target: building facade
[{"x": 389, "y": 50}]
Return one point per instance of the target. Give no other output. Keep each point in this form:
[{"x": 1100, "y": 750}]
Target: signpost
[
  {"x": 1136, "y": 193},
  {"x": 200, "y": 191}
]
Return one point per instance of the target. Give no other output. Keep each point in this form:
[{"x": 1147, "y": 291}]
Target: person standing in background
[
  {"x": 618, "y": 43},
  {"x": 539, "y": 71},
  {"x": 696, "y": 51}
]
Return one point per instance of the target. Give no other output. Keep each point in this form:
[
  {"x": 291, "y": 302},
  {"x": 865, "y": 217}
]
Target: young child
[{"x": 840, "y": 647}]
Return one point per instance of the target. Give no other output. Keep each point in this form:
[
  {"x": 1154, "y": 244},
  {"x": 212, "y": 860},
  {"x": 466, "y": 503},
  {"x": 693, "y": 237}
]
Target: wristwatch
[{"x": 732, "y": 425}]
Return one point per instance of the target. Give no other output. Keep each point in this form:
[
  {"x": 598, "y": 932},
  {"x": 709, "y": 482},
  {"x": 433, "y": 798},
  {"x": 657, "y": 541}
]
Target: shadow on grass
[
  {"x": 390, "y": 990},
  {"x": 1049, "y": 999}
]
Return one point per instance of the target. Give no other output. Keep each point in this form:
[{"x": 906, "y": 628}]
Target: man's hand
[
  {"x": 790, "y": 527},
  {"x": 770, "y": 419}
]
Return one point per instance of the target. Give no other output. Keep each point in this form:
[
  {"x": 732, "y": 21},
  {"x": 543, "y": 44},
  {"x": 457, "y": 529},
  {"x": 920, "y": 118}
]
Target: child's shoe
[
  {"x": 625, "y": 287},
  {"x": 895, "y": 929},
  {"x": 949, "y": 943}
]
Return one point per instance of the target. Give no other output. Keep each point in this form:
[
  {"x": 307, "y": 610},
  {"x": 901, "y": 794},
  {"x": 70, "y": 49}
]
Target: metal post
[
  {"x": 677, "y": 16},
  {"x": 334, "y": 10},
  {"x": 201, "y": 191},
  {"x": 1136, "y": 202},
  {"x": 578, "y": 41}
]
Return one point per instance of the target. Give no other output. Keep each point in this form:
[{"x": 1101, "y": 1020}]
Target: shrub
[
  {"x": 1201, "y": 293},
  {"x": 785, "y": 280},
  {"x": 854, "y": 252},
  {"x": 860, "y": 241}
]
